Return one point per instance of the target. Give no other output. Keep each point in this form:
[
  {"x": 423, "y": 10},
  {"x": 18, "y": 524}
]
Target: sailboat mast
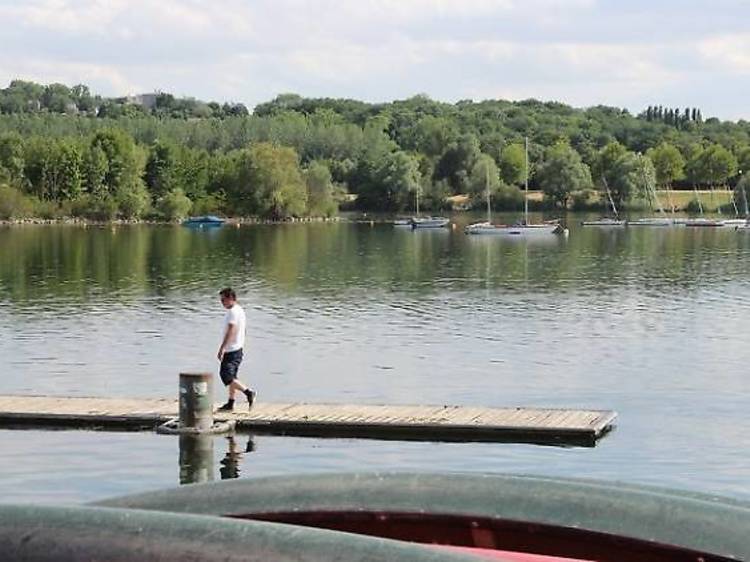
[
  {"x": 611, "y": 200},
  {"x": 526, "y": 183},
  {"x": 417, "y": 196}
]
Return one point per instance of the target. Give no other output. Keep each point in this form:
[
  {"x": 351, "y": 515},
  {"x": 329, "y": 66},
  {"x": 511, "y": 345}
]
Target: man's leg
[
  {"x": 235, "y": 385},
  {"x": 228, "y": 375}
]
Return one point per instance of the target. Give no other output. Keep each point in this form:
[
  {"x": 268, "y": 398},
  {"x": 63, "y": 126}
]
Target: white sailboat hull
[
  {"x": 429, "y": 222},
  {"x": 715, "y": 223},
  {"x": 652, "y": 221},
  {"x": 605, "y": 223},
  {"x": 524, "y": 230}
]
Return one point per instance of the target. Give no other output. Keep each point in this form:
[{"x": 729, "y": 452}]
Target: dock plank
[{"x": 432, "y": 422}]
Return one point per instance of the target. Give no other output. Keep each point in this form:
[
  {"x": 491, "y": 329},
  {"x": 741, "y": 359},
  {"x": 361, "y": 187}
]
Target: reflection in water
[
  {"x": 197, "y": 458},
  {"x": 652, "y": 323},
  {"x": 230, "y": 464}
]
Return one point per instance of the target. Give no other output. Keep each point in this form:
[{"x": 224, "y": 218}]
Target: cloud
[
  {"x": 731, "y": 52},
  {"x": 583, "y": 52},
  {"x": 44, "y": 71}
]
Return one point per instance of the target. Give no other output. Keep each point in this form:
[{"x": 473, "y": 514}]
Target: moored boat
[
  {"x": 522, "y": 229},
  {"x": 703, "y": 222},
  {"x": 605, "y": 222},
  {"x": 487, "y": 228},
  {"x": 613, "y": 221},
  {"x": 652, "y": 221},
  {"x": 429, "y": 222},
  {"x": 205, "y": 220}
]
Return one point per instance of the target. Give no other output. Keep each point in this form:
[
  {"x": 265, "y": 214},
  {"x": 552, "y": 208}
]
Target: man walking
[{"x": 230, "y": 351}]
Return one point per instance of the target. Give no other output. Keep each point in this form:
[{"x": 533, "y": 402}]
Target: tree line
[{"x": 296, "y": 156}]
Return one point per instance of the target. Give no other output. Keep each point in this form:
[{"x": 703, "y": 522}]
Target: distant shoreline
[{"x": 69, "y": 221}]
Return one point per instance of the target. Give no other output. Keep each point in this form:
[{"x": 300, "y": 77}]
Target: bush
[
  {"x": 582, "y": 201},
  {"x": 175, "y": 205},
  {"x": 95, "y": 208},
  {"x": 46, "y": 209},
  {"x": 693, "y": 207},
  {"x": 208, "y": 205},
  {"x": 507, "y": 198},
  {"x": 133, "y": 203},
  {"x": 14, "y": 204}
]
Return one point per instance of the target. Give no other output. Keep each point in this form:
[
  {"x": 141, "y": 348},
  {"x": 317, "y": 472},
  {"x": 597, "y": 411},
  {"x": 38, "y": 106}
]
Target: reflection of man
[
  {"x": 230, "y": 350},
  {"x": 230, "y": 464}
]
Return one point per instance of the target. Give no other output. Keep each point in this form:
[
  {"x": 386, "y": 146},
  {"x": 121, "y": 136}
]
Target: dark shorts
[{"x": 229, "y": 365}]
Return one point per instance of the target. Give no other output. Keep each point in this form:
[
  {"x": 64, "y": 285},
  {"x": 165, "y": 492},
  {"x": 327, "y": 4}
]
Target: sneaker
[
  {"x": 228, "y": 407},
  {"x": 250, "y": 398}
]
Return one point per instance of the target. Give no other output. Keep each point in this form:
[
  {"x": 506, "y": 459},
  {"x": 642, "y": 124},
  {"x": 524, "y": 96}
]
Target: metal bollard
[
  {"x": 196, "y": 401},
  {"x": 196, "y": 416}
]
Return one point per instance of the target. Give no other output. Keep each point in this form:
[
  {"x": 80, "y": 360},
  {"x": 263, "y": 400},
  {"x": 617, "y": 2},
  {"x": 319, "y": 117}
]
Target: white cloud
[
  {"x": 731, "y": 52},
  {"x": 579, "y": 51},
  {"x": 45, "y": 72}
]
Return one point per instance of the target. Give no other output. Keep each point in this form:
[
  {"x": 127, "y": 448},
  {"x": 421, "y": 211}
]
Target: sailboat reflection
[{"x": 197, "y": 458}]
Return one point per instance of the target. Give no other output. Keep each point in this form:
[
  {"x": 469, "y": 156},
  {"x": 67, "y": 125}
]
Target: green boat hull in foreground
[{"x": 517, "y": 517}]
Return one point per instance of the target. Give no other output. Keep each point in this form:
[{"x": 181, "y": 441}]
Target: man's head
[{"x": 228, "y": 297}]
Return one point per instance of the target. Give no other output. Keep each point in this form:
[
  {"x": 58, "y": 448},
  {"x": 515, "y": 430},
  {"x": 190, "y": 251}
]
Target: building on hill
[{"x": 147, "y": 101}]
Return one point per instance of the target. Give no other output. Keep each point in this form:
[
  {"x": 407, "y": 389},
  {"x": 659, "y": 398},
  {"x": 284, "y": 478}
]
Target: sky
[{"x": 624, "y": 53}]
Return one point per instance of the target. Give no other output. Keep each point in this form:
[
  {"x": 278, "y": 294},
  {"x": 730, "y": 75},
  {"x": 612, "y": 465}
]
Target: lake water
[{"x": 653, "y": 323}]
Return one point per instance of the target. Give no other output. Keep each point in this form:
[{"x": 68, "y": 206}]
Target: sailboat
[
  {"x": 662, "y": 220},
  {"x": 720, "y": 223},
  {"x": 614, "y": 220},
  {"x": 746, "y": 225},
  {"x": 427, "y": 222},
  {"x": 525, "y": 229},
  {"x": 701, "y": 220}
]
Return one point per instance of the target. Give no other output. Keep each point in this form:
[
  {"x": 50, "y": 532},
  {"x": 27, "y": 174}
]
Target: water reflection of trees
[{"x": 74, "y": 263}]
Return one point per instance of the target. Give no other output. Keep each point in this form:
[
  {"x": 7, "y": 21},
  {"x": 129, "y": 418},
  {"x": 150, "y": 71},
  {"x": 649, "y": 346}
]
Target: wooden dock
[{"x": 427, "y": 423}]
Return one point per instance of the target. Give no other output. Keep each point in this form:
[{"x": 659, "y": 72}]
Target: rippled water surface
[{"x": 653, "y": 323}]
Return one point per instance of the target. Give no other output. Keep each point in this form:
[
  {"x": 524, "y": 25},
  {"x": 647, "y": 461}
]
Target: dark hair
[{"x": 228, "y": 294}]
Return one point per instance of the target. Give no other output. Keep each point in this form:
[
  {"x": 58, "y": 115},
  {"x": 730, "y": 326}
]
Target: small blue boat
[{"x": 204, "y": 221}]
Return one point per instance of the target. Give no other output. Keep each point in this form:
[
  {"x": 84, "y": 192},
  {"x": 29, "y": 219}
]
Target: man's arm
[{"x": 231, "y": 331}]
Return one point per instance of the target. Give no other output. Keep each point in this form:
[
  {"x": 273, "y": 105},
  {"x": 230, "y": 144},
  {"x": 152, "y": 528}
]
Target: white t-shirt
[{"x": 236, "y": 316}]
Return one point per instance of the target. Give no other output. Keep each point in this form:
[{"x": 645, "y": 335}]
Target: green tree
[
  {"x": 604, "y": 165},
  {"x": 633, "y": 175},
  {"x": 457, "y": 161},
  {"x": 174, "y": 205},
  {"x": 513, "y": 164},
  {"x": 717, "y": 165},
  {"x": 95, "y": 171},
  {"x": 388, "y": 183},
  {"x": 562, "y": 173},
  {"x": 124, "y": 168},
  {"x": 12, "y": 157},
  {"x": 320, "y": 202},
  {"x": 484, "y": 175},
  {"x": 161, "y": 170},
  {"x": 693, "y": 164},
  {"x": 269, "y": 182},
  {"x": 69, "y": 161},
  {"x": 743, "y": 159},
  {"x": 433, "y": 135},
  {"x": 668, "y": 163}
]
